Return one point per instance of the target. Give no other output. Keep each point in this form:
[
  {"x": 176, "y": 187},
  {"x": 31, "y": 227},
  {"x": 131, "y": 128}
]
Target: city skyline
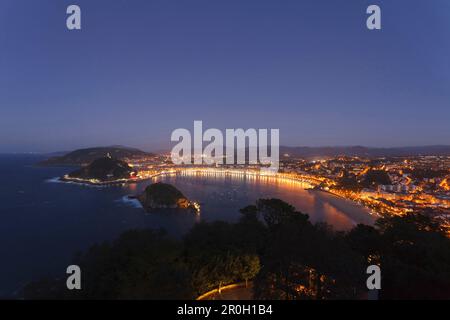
[{"x": 312, "y": 69}]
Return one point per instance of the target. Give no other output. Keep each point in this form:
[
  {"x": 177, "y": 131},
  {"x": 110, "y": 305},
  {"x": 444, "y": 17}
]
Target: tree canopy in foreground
[{"x": 277, "y": 247}]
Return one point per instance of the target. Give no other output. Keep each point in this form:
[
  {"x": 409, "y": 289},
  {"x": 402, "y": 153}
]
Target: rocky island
[
  {"x": 105, "y": 170},
  {"x": 165, "y": 196}
]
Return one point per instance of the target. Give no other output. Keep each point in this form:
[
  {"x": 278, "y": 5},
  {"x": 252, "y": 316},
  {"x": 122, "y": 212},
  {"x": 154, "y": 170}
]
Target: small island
[
  {"x": 105, "y": 170},
  {"x": 165, "y": 196}
]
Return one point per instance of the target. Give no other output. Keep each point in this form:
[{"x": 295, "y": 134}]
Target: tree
[
  {"x": 375, "y": 178},
  {"x": 308, "y": 262},
  {"x": 248, "y": 267},
  {"x": 250, "y": 211},
  {"x": 415, "y": 258},
  {"x": 140, "y": 264},
  {"x": 220, "y": 253},
  {"x": 365, "y": 240},
  {"x": 276, "y": 211}
]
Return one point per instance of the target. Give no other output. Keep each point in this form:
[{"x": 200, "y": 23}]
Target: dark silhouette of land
[{"x": 86, "y": 156}]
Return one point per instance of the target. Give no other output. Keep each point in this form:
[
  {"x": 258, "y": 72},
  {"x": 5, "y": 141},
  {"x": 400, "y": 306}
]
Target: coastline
[
  {"x": 370, "y": 214},
  {"x": 351, "y": 206},
  {"x": 100, "y": 183}
]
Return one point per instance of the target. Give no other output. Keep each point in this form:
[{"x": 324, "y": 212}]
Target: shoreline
[
  {"x": 101, "y": 183},
  {"x": 332, "y": 197},
  {"x": 66, "y": 179}
]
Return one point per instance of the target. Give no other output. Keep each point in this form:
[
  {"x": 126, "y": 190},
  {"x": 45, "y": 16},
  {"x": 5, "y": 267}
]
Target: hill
[
  {"x": 86, "y": 156},
  {"x": 164, "y": 196},
  {"x": 360, "y": 151},
  {"x": 104, "y": 169}
]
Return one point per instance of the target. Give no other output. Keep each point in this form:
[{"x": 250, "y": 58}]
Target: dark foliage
[
  {"x": 86, "y": 156},
  {"x": 286, "y": 255},
  {"x": 375, "y": 178},
  {"x": 162, "y": 194},
  {"x": 104, "y": 169}
]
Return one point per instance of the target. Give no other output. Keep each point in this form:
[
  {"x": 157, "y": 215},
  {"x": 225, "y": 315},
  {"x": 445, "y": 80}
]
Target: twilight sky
[{"x": 139, "y": 69}]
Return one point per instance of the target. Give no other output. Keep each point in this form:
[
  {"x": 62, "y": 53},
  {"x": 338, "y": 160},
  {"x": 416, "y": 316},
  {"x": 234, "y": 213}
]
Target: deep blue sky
[{"x": 140, "y": 69}]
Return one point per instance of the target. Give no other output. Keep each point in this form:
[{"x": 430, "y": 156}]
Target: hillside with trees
[
  {"x": 278, "y": 248},
  {"x": 104, "y": 169},
  {"x": 86, "y": 156}
]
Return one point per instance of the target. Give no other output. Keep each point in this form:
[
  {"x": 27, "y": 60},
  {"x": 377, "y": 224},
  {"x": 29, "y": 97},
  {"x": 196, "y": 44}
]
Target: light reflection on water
[
  {"x": 223, "y": 194},
  {"x": 44, "y": 223}
]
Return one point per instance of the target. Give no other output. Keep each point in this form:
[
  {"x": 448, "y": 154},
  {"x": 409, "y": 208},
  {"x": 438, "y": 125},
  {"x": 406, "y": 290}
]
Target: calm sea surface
[{"x": 43, "y": 223}]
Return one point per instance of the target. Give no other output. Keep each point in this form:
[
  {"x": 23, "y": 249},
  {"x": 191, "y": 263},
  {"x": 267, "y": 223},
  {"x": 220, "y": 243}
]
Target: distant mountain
[
  {"x": 359, "y": 151},
  {"x": 86, "y": 156}
]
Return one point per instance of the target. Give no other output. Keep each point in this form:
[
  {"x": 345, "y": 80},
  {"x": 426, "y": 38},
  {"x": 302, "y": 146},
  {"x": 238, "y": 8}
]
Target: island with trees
[{"x": 165, "y": 196}]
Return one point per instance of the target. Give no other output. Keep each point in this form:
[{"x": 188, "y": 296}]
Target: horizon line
[{"x": 159, "y": 150}]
